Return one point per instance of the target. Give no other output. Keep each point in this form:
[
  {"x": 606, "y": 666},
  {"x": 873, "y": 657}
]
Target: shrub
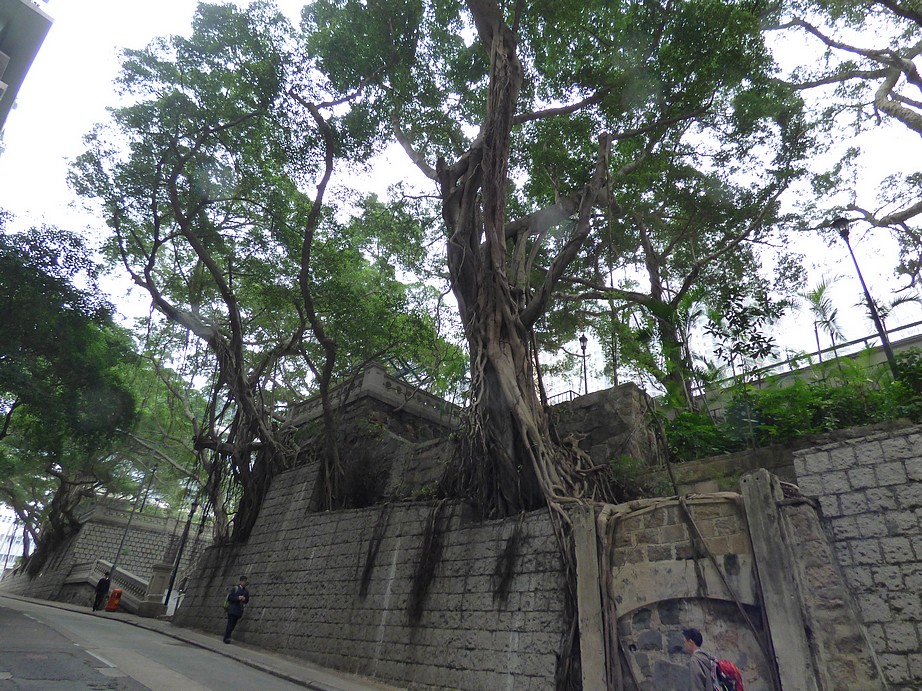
[
  {"x": 758, "y": 417},
  {"x": 694, "y": 435}
]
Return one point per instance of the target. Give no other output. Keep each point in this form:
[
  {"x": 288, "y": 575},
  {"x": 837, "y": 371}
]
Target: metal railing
[
  {"x": 563, "y": 397},
  {"x": 801, "y": 362}
]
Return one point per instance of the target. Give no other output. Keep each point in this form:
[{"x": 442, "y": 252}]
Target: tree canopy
[
  {"x": 201, "y": 176},
  {"x": 64, "y": 393},
  {"x": 549, "y": 142},
  {"x": 867, "y": 76}
]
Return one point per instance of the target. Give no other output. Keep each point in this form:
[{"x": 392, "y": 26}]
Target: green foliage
[
  {"x": 909, "y": 366},
  {"x": 694, "y": 79},
  {"x": 694, "y": 435},
  {"x": 739, "y": 324},
  {"x": 59, "y": 347},
  {"x": 65, "y": 393},
  {"x": 206, "y": 172},
  {"x": 630, "y": 479},
  {"x": 849, "y": 396}
]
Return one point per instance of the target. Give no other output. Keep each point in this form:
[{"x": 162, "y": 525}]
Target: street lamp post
[
  {"x": 841, "y": 227},
  {"x": 118, "y": 552},
  {"x": 582, "y": 344}
]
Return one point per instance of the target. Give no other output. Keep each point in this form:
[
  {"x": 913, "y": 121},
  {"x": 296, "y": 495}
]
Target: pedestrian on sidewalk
[
  {"x": 236, "y": 599},
  {"x": 102, "y": 589}
]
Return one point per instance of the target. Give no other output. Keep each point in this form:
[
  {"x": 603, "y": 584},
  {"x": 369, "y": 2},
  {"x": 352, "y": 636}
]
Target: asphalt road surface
[{"x": 46, "y": 648}]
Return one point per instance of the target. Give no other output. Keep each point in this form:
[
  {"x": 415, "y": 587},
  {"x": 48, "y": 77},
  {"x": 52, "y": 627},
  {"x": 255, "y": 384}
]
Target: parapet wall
[
  {"x": 870, "y": 494},
  {"x": 416, "y": 593}
]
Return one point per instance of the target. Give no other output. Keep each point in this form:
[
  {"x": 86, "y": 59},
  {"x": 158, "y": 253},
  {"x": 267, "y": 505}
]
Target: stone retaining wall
[
  {"x": 469, "y": 605},
  {"x": 663, "y": 583},
  {"x": 665, "y": 578},
  {"x": 843, "y": 656},
  {"x": 146, "y": 543},
  {"x": 870, "y": 494}
]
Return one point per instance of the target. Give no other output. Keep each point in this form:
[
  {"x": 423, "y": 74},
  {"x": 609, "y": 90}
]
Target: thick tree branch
[
  {"x": 898, "y": 218},
  {"x": 875, "y": 54},
  {"x": 906, "y": 12},
  {"x": 662, "y": 123},
  {"x": 416, "y": 157},
  {"x": 156, "y": 451},
  {"x": 838, "y": 78},
  {"x": 7, "y": 418},
  {"x": 883, "y": 101},
  {"x": 538, "y": 302},
  {"x": 312, "y": 223},
  {"x": 598, "y": 97},
  {"x": 596, "y": 291},
  {"x": 541, "y": 221}
]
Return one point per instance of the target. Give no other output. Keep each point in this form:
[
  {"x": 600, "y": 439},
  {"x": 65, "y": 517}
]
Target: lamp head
[
  {"x": 583, "y": 341},
  {"x": 841, "y": 226}
]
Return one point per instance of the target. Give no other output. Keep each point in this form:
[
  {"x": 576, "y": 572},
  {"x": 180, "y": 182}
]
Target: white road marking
[{"x": 101, "y": 659}]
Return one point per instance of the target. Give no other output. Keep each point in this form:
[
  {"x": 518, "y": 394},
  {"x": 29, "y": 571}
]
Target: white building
[
  {"x": 23, "y": 26},
  {"x": 10, "y": 539}
]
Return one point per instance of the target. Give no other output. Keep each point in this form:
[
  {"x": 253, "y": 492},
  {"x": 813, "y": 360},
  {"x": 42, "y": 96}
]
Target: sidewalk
[{"x": 291, "y": 669}]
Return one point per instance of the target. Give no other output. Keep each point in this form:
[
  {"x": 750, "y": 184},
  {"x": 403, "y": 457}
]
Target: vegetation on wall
[{"x": 843, "y": 393}]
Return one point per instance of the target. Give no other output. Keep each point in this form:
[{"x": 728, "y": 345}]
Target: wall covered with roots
[{"x": 422, "y": 595}]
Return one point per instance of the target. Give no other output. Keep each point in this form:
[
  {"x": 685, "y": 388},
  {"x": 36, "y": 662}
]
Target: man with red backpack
[{"x": 706, "y": 672}]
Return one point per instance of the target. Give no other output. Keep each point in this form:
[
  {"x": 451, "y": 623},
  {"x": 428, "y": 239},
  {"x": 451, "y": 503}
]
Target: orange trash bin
[{"x": 114, "y": 598}]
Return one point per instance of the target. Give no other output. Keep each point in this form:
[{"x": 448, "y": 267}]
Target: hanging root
[
  {"x": 505, "y": 563},
  {"x": 374, "y": 543},
  {"x": 430, "y": 554}
]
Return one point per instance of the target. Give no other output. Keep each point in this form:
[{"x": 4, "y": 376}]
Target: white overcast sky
[{"x": 70, "y": 85}]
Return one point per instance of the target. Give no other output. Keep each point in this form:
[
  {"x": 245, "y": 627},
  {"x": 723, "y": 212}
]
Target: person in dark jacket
[
  {"x": 236, "y": 599},
  {"x": 102, "y": 589}
]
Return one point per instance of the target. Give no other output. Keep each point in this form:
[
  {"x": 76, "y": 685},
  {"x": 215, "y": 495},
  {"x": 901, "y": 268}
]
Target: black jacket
[{"x": 237, "y": 598}]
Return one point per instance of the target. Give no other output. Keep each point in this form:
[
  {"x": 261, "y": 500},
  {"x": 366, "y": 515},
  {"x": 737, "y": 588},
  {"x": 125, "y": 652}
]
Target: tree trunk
[
  {"x": 677, "y": 367},
  {"x": 509, "y": 461},
  {"x": 496, "y": 464}
]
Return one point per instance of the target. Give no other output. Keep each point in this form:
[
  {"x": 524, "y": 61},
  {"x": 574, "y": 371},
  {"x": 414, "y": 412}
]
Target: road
[{"x": 47, "y": 648}]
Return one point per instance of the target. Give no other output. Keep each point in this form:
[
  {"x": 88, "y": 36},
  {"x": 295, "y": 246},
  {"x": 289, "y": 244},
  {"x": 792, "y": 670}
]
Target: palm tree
[
  {"x": 825, "y": 316},
  {"x": 884, "y": 310}
]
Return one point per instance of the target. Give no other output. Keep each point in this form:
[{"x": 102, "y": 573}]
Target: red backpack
[{"x": 726, "y": 675}]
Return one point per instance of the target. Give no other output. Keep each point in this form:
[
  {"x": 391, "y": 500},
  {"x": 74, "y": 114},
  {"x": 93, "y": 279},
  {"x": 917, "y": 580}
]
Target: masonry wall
[
  {"x": 843, "y": 656},
  {"x": 48, "y": 583},
  {"x": 467, "y": 605},
  {"x": 663, "y": 581},
  {"x": 146, "y": 542},
  {"x": 674, "y": 567},
  {"x": 870, "y": 494},
  {"x": 611, "y": 424}
]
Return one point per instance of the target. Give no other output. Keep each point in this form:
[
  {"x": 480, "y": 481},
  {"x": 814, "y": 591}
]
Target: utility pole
[{"x": 134, "y": 508}]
